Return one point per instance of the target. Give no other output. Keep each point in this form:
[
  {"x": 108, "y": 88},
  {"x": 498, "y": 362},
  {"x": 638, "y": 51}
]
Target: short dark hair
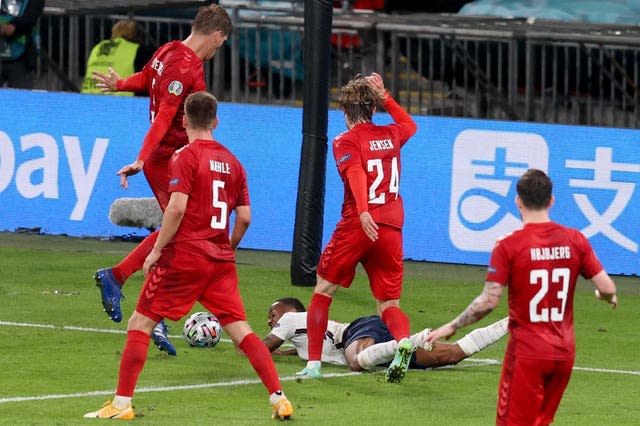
[
  {"x": 292, "y": 302},
  {"x": 534, "y": 189},
  {"x": 211, "y": 19},
  {"x": 201, "y": 109},
  {"x": 358, "y": 99}
]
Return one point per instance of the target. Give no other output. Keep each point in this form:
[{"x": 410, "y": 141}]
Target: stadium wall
[{"x": 59, "y": 153}]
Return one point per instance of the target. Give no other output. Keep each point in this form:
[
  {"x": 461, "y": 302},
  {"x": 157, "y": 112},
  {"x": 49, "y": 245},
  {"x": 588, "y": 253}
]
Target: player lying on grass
[{"x": 366, "y": 343}]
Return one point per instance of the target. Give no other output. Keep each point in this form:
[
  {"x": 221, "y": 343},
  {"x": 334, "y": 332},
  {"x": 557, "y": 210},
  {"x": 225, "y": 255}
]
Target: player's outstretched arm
[
  {"x": 112, "y": 82},
  {"x": 478, "y": 309}
]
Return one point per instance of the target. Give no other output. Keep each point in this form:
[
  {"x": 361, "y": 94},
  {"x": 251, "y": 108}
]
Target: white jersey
[{"x": 292, "y": 326}]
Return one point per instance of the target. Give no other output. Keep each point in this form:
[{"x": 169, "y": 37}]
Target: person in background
[
  {"x": 193, "y": 258},
  {"x": 126, "y": 52},
  {"x": 540, "y": 263},
  {"x": 19, "y": 42}
]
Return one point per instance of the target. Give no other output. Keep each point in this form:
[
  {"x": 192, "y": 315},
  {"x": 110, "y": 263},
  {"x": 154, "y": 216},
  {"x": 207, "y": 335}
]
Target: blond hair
[
  {"x": 127, "y": 29},
  {"x": 358, "y": 99}
]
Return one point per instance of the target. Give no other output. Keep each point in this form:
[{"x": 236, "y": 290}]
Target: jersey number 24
[{"x": 375, "y": 165}]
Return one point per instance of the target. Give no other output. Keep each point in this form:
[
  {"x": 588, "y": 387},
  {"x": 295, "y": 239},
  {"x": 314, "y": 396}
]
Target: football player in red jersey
[
  {"x": 193, "y": 258},
  {"x": 540, "y": 264},
  {"x": 370, "y": 230},
  {"x": 174, "y": 71}
]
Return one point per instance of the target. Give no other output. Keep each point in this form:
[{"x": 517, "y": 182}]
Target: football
[{"x": 202, "y": 330}]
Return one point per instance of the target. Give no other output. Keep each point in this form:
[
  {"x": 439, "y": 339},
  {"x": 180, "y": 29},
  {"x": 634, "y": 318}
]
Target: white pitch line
[
  {"x": 606, "y": 370},
  {"x": 78, "y": 328},
  {"x": 161, "y": 388}
]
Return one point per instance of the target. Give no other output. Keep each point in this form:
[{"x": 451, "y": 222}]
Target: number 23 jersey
[{"x": 540, "y": 264}]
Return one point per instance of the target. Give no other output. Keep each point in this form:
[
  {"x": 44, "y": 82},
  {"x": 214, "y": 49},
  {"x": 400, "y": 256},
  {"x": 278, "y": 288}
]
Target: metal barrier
[{"x": 434, "y": 64}]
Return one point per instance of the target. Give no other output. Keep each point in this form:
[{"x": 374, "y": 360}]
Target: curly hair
[{"x": 358, "y": 100}]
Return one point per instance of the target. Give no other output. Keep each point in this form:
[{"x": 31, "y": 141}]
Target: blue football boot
[
  {"x": 161, "y": 339},
  {"x": 110, "y": 289}
]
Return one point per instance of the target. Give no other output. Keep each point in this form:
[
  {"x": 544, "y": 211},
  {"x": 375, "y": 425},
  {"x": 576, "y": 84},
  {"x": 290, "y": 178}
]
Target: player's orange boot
[
  {"x": 282, "y": 409},
  {"x": 108, "y": 411}
]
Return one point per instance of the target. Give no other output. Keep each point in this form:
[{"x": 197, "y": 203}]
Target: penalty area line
[{"x": 162, "y": 388}]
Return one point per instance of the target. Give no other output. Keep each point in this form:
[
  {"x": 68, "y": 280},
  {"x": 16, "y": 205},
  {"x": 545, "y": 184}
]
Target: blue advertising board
[{"x": 59, "y": 153}]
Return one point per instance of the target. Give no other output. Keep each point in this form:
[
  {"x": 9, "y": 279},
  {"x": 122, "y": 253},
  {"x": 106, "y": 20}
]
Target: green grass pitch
[{"x": 56, "y": 371}]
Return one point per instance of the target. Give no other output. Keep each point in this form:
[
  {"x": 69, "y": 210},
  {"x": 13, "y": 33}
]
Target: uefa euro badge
[{"x": 175, "y": 88}]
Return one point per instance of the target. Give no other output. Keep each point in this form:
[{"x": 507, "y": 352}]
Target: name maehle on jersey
[
  {"x": 379, "y": 145},
  {"x": 550, "y": 253},
  {"x": 219, "y": 166}
]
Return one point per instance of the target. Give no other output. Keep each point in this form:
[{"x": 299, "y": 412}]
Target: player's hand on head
[
  {"x": 375, "y": 80},
  {"x": 369, "y": 227}
]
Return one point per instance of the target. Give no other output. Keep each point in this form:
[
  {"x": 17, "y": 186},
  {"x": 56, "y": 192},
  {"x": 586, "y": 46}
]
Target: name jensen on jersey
[
  {"x": 550, "y": 253},
  {"x": 219, "y": 166},
  {"x": 157, "y": 65},
  {"x": 380, "y": 145}
]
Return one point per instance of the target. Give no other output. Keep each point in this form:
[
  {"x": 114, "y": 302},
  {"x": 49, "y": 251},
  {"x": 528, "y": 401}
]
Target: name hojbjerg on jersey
[{"x": 550, "y": 253}]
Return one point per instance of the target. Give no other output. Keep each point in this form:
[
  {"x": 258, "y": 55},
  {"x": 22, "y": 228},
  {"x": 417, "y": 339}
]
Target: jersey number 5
[
  {"x": 219, "y": 222},
  {"x": 559, "y": 276},
  {"x": 375, "y": 165}
]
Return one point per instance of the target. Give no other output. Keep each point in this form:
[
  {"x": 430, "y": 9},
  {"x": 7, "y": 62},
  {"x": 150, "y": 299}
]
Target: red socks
[
  {"x": 317, "y": 319},
  {"x": 261, "y": 360},
  {"x": 132, "y": 362},
  {"x": 134, "y": 260},
  {"x": 397, "y": 322}
]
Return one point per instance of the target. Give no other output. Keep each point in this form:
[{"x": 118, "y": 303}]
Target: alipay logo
[{"x": 485, "y": 169}]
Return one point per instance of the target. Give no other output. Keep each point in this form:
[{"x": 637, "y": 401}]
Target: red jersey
[
  {"x": 540, "y": 264},
  {"x": 216, "y": 184},
  {"x": 377, "y": 150},
  {"x": 172, "y": 74}
]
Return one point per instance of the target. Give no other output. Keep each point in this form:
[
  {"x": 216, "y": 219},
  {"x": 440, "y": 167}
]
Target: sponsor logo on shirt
[
  {"x": 344, "y": 158},
  {"x": 491, "y": 269},
  {"x": 175, "y": 88},
  {"x": 174, "y": 181}
]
